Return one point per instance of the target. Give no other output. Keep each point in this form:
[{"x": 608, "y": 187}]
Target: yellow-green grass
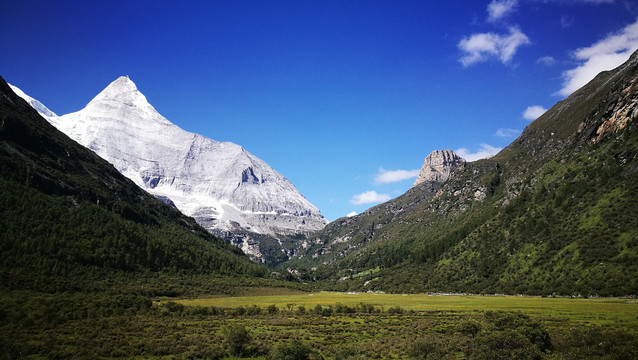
[{"x": 595, "y": 311}]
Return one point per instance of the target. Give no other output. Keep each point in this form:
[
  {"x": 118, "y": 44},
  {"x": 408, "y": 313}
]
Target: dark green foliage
[
  {"x": 345, "y": 353},
  {"x": 174, "y": 307},
  {"x": 523, "y": 324},
  {"x": 470, "y": 327},
  {"x": 253, "y": 310},
  {"x": 294, "y": 350},
  {"x": 504, "y": 345},
  {"x": 553, "y": 213},
  {"x": 597, "y": 343},
  {"x": 428, "y": 349},
  {"x": 66, "y": 213},
  {"x": 238, "y": 341},
  {"x": 509, "y": 335}
]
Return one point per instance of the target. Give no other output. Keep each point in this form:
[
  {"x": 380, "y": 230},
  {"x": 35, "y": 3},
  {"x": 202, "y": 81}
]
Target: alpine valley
[
  {"x": 225, "y": 188},
  {"x": 552, "y": 213},
  {"x": 92, "y": 266}
]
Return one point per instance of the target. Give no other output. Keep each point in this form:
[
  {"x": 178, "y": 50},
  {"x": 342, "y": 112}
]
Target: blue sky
[{"x": 345, "y": 98}]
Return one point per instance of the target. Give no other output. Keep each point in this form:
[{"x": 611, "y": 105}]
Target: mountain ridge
[
  {"x": 551, "y": 213},
  {"x": 224, "y": 187},
  {"x": 66, "y": 212}
]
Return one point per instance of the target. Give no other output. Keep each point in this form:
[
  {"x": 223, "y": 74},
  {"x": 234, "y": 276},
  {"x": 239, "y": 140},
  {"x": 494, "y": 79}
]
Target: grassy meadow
[
  {"x": 290, "y": 324},
  {"x": 598, "y": 311}
]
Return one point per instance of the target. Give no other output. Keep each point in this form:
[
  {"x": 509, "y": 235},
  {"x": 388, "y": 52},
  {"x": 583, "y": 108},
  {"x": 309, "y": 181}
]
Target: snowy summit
[{"x": 224, "y": 187}]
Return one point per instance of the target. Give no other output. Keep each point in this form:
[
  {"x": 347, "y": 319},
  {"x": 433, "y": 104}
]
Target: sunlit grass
[{"x": 596, "y": 311}]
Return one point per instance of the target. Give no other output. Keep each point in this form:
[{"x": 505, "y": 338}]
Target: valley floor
[{"x": 295, "y": 325}]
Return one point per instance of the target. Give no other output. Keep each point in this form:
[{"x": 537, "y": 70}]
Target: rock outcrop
[{"x": 438, "y": 166}]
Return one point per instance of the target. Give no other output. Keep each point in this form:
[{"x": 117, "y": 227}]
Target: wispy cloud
[
  {"x": 606, "y": 54},
  {"x": 369, "y": 197},
  {"x": 499, "y": 9},
  {"x": 567, "y": 21},
  {"x": 390, "y": 176},
  {"x": 533, "y": 112},
  {"x": 351, "y": 214},
  {"x": 484, "y": 46},
  {"x": 546, "y": 60},
  {"x": 484, "y": 151},
  {"x": 507, "y": 132}
]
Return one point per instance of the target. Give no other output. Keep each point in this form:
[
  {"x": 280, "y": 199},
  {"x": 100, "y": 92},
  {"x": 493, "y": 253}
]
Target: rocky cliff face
[
  {"x": 438, "y": 166},
  {"x": 224, "y": 187},
  {"x": 345, "y": 236}
]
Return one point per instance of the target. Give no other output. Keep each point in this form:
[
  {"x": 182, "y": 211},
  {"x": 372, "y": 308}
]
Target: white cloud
[
  {"x": 390, "y": 176},
  {"x": 351, "y": 214},
  {"x": 485, "y": 151},
  {"x": 606, "y": 54},
  {"x": 481, "y": 47},
  {"x": 533, "y": 112},
  {"x": 369, "y": 197},
  {"x": 507, "y": 132},
  {"x": 546, "y": 60},
  {"x": 498, "y": 9}
]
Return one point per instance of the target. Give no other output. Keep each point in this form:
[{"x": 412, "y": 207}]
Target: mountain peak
[
  {"x": 123, "y": 90},
  {"x": 438, "y": 165}
]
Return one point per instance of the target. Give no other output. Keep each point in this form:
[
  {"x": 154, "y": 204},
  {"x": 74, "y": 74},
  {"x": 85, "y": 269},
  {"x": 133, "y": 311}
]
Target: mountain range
[
  {"x": 228, "y": 190},
  {"x": 554, "y": 212},
  {"x": 69, "y": 217}
]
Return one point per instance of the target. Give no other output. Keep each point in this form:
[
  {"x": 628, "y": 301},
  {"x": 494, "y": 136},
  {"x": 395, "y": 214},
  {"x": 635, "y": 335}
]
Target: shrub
[
  {"x": 345, "y": 353},
  {"x": 293, "y": 351},
  {"x": 469, "y": 327},
  {"x": 240, "y": 310},
  {"x": 504, "y": 345},
  {"x": 522, "y": 324},
  {"x": 253, "y": 310},
  {"x": 425, "y": 350},
  {"x": 174, "y": 307},
  {"x": 238, "y": 341}
]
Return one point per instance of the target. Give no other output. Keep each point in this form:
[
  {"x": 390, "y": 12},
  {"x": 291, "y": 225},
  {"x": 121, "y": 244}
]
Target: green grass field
[
  {"x": 346, "y": 326},
  {"x": 602, "y": 311}
]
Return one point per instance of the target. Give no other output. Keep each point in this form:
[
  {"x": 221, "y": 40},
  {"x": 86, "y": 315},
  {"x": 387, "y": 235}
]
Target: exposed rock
[
  {"x": 226, "y": 189},
  {"x": 438, "y": 166}
]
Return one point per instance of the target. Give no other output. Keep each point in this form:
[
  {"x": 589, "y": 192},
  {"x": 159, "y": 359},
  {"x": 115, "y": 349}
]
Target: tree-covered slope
[
  {"x": 555, "y": 212},
  {"x": 65, "y": 212}
]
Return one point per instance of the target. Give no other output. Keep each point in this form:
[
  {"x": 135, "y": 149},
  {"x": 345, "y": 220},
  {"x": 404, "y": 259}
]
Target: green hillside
[
  {"x": 555, "y": 212},
  {"x": 69, "y": 218}
]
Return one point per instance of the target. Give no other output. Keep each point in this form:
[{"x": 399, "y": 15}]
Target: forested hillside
[
  {"x": 555, "y": 212},
  {"x": 69, "y": 216}
]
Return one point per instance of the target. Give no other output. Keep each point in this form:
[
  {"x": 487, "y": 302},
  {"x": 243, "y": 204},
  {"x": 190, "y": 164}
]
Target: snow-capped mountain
[
  {"x": 43, "y": 110},
  {"x": 224, "y": 187}
]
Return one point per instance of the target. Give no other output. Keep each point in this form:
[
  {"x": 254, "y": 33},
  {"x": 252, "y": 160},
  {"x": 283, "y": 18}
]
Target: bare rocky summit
[{"x": 438, "y": 166}]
